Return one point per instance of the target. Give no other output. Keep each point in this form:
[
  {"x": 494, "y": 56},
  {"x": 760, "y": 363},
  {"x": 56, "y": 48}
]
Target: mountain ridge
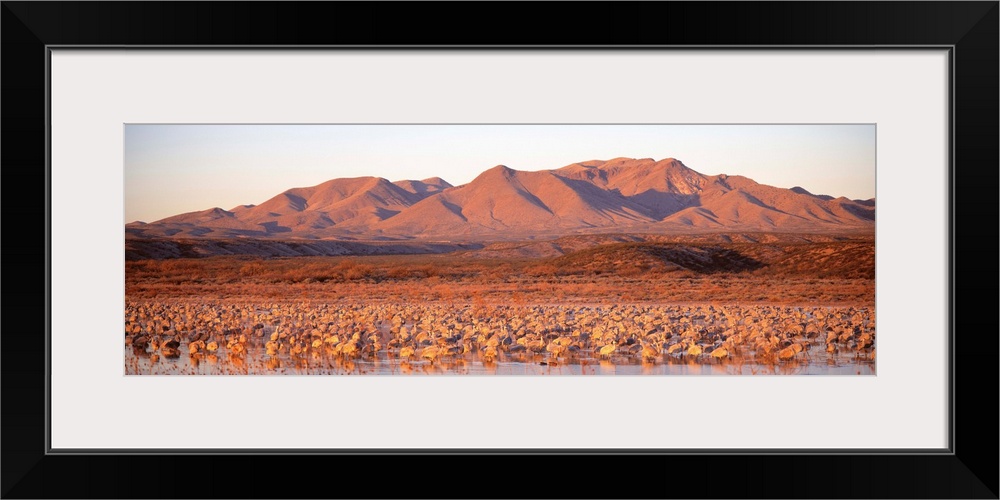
[{"x": 501, "y": 203}]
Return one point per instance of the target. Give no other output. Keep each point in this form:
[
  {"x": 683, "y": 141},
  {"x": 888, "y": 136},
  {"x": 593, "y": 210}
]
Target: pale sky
[{"x": 172, "y": 169}]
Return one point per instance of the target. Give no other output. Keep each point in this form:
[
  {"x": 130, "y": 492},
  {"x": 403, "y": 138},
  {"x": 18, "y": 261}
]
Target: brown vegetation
[{"x": 808, "y": 273}]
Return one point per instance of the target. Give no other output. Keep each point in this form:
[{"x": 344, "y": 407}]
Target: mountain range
[{"x": 618, "y": 195}]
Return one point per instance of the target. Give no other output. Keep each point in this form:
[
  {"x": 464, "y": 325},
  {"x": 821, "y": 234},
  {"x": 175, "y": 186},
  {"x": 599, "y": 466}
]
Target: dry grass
[{"x": 826, "y": 273}]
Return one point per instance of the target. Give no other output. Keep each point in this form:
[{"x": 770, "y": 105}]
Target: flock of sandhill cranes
[{"x": 549, "y": 334}]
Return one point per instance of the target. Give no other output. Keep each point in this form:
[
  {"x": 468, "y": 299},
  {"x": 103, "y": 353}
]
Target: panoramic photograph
[{"x": 483, "y": 250}]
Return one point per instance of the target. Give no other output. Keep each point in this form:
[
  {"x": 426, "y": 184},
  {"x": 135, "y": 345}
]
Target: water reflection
[{"x": 257, "y": 362}]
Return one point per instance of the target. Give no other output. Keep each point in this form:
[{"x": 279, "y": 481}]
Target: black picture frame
[{"x": 968, "y": 470}]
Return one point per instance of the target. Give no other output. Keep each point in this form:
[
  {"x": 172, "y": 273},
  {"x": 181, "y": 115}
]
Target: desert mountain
[
  {"x": 618, "y": 195},
  {"x": 425, "y": 187}
]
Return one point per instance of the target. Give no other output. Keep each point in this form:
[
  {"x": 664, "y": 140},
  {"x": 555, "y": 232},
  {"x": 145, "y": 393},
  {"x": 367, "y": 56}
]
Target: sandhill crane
[
  {"x": 489, "y": 354},
  {"x": 650, "y": 352},
  {"x": 406, "y": 352},
  {"x": 787, "y": 353},
  {"x": 431, "y": 353},
  {"x": 607, "y": 350},
  {"x": 694, "y": 349}
]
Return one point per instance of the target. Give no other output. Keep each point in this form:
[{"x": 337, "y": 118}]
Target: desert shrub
[
  {"x": 346, "y": 265},
  {"x": 478, "y": 303},
  {"x": 427, "y": 271},
  {"x": 544, "y": 270},
  {"x": 313, "y": 272},
  {"x": 398, "y": 273},
  {"x": 632, "y": 270},
  {"x": 498, "y": 271},
  {"x": 359, "y": 272},
  {"x": 141, "y": 266},
  {"x": 444, "y": 291},
  {"x": 252, "y": 269},
  {"x": 173, "y": 265}
]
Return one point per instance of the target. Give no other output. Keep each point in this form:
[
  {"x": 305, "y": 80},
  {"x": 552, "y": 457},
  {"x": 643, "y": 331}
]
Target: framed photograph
[{"x": 274, "y": 239}]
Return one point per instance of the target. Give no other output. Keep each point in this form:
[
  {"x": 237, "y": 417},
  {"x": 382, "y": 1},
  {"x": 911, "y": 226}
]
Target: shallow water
[
  {"x": 256, "y": 362},
  {"x": 258, "y": 324}
]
